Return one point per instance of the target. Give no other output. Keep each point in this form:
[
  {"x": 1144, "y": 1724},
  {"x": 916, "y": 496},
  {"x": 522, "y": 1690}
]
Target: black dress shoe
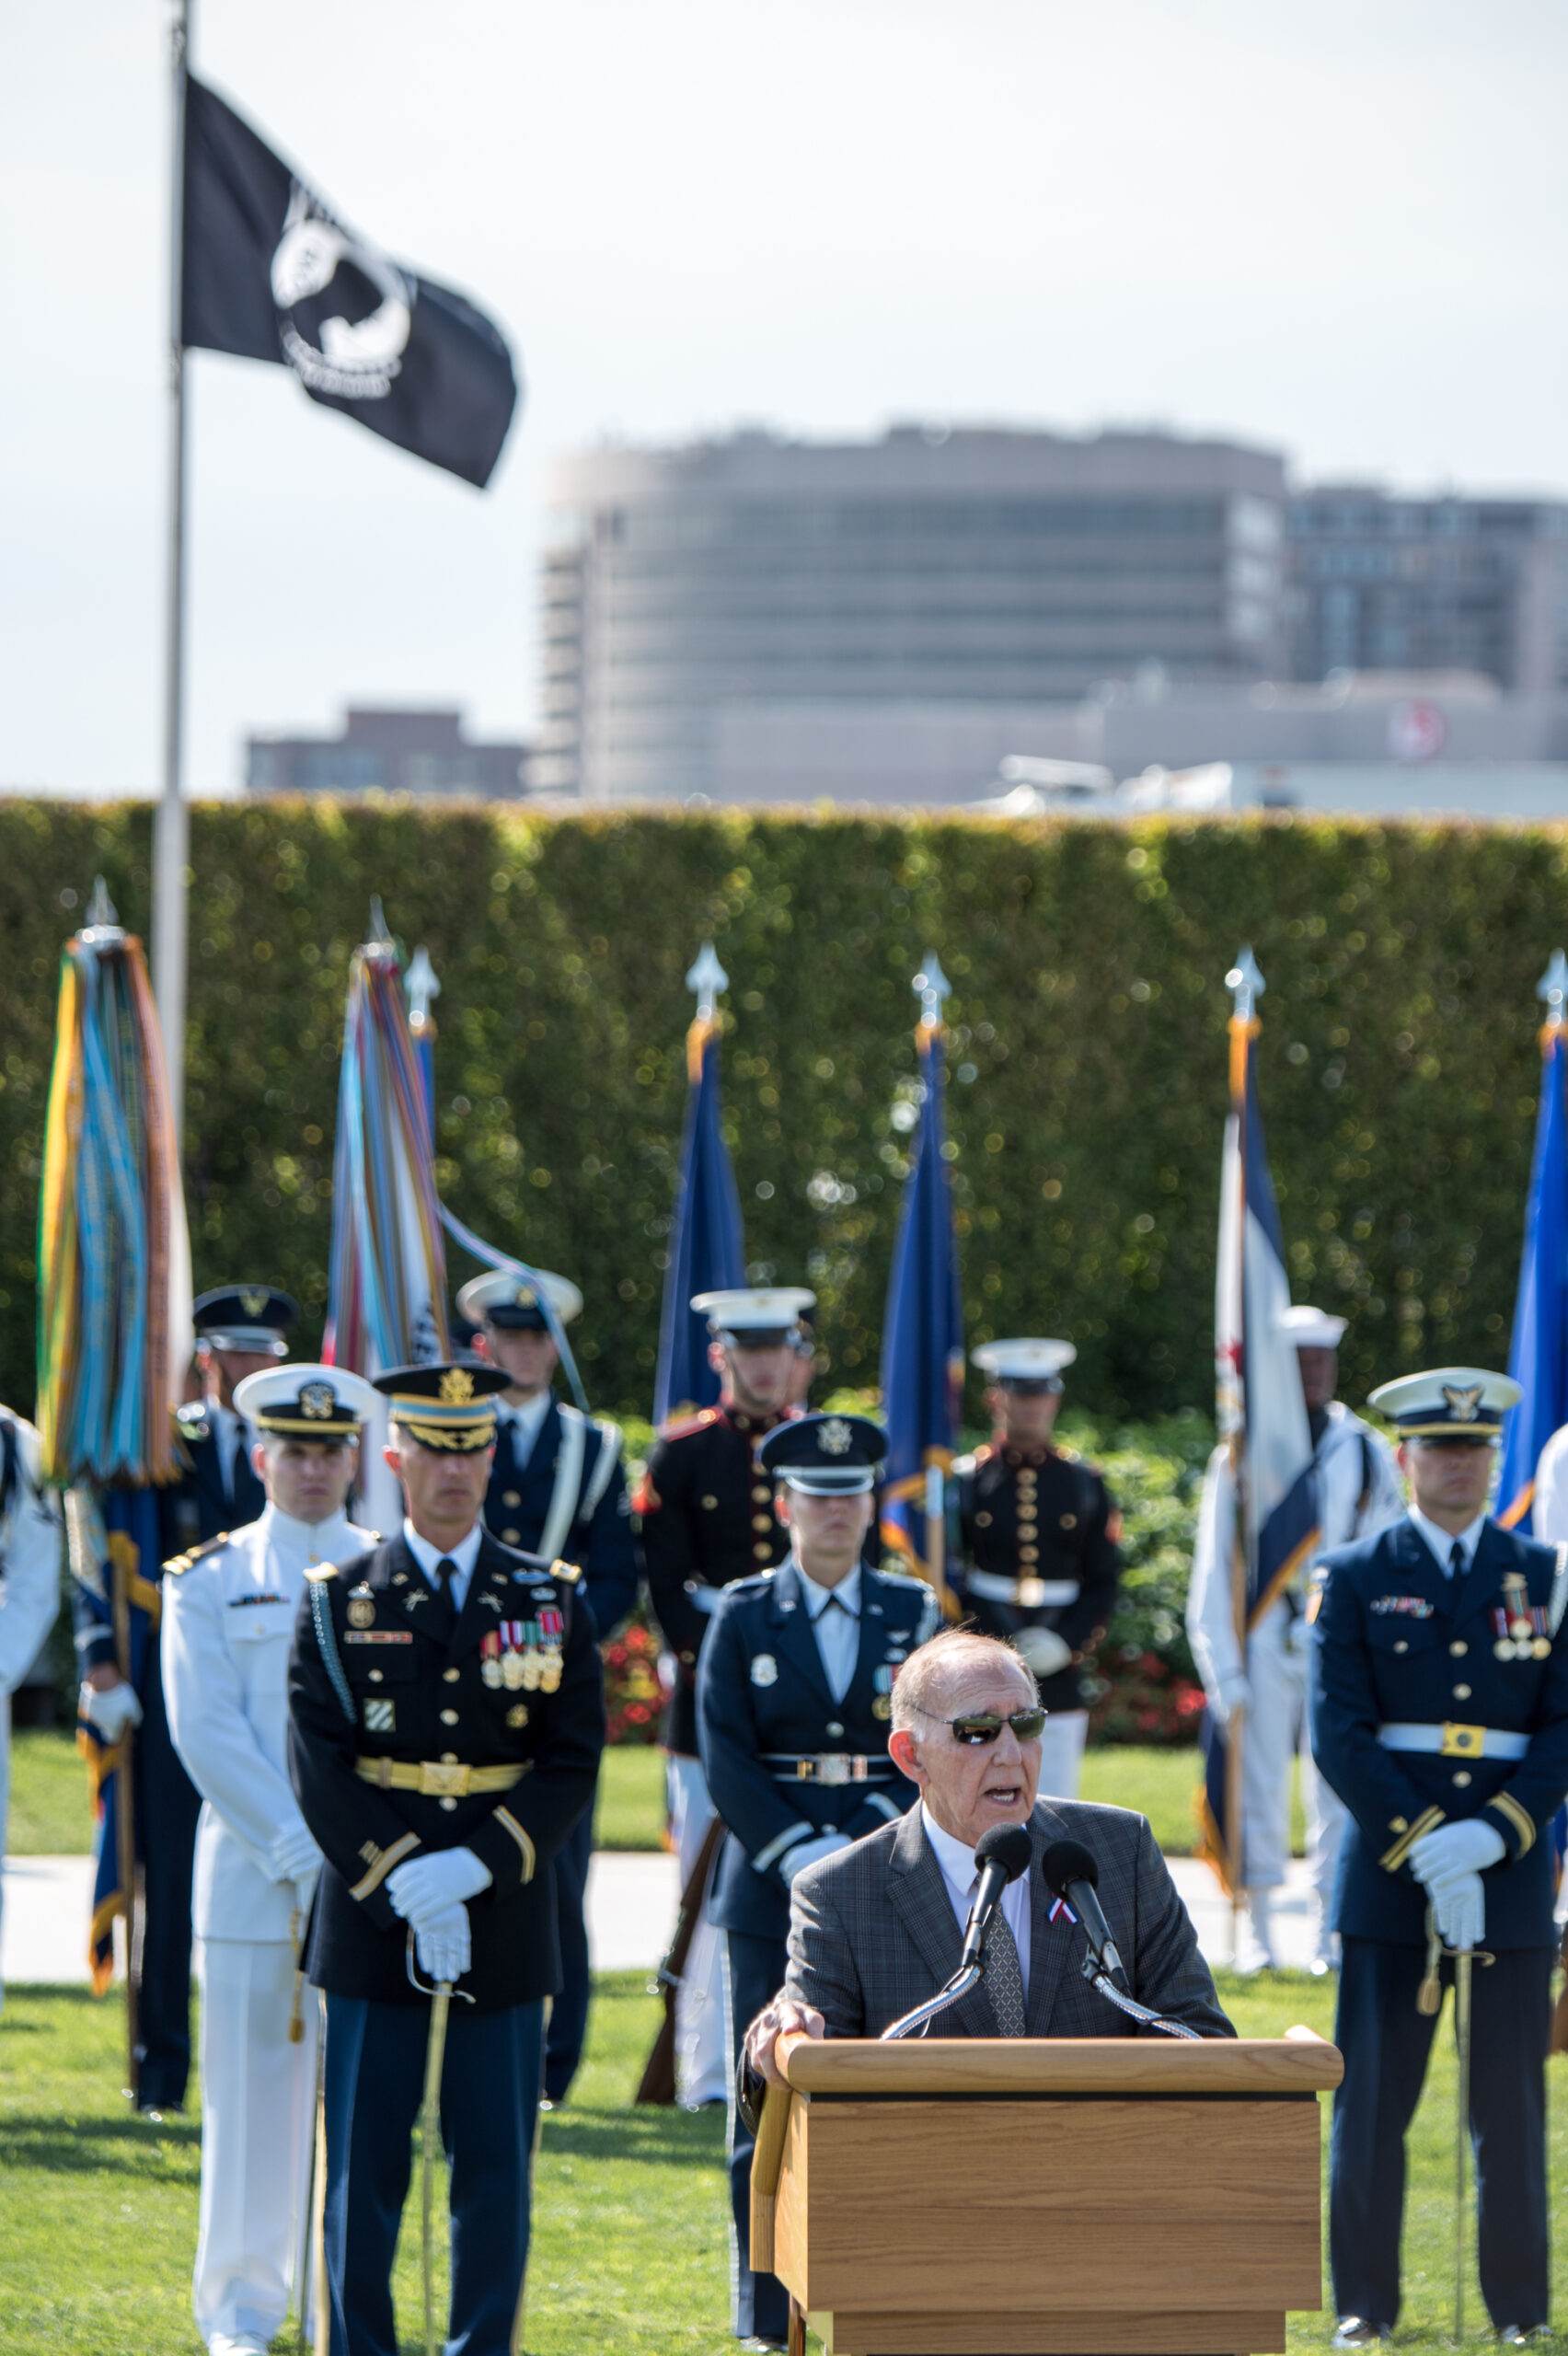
[
  {"x": 1354, "y": 2331},
  {"x": 155, "y": 2109},
  {"x": 1524, "y": 2335}
]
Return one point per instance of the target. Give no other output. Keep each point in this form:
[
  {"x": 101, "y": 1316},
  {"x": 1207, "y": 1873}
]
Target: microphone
[
  {"x": 1071, "y": 1873},
  {"x": 1003, "y": 1853}
]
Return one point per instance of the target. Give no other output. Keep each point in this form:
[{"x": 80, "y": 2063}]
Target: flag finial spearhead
[
  {"x": 103, "y": 926},
  {"x": 931, "y": 986},
  {"x": 1246, "y": 986},
  {"x": 706, "y": 977},
  {"x": 420, "y": 986},
  {"x": 380, "y": 938},
  {"x": 1554, "y": 988}
]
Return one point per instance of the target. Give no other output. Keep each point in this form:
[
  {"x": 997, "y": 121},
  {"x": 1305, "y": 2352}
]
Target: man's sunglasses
[{"x": 983, "y": 1726}]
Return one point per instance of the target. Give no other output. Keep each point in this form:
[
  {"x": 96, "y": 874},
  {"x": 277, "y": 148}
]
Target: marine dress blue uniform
[
  {"x": 1440, "y": 1695},
  {"x": 557, "y": 1488},
  {"x": 794, "y": 1703}
]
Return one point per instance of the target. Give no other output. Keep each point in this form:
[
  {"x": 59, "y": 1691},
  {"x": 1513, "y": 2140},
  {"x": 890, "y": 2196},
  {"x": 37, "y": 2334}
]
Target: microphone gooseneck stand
[
  {"x": 924, "y": 2015},
  {"x": 1102, "y": 1982}
]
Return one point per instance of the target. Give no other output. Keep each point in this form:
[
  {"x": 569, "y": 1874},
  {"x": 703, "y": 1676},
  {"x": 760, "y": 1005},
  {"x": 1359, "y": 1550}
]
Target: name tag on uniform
[{"x": 378, "y": 1636}]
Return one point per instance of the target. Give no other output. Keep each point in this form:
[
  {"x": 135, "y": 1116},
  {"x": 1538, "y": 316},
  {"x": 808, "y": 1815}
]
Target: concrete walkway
[{"x": 632, "y": 1897}]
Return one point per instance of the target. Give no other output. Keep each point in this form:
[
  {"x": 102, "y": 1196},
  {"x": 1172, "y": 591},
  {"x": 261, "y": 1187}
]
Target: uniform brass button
[
  {"x": 448, "y": 1805},
  {"x": 376, "y": 1677},
  {"x": 513, "y": 1498},
  {"x": 1029, "y": 1553},
  {"x": 1458, "y": 1648},
  {"x": 982, "y": 1521},
  {"x": 512, "y": 1537},
  {"x": 1027, "y": 1525},
  {"x": 688, "y": 1658},
  {"x": 1462, "y": 1778},
  {"x": 1461, "y": 1693},
  {"x": 762, "y": 1522},
  {"x": 449, "y": 1758},
  {"x": 451, "y": 1675},
  {"x": 1401, "y": 1647},
  {"x": 763, "y": 1554},
  {"x": 449, "y": 1717},
  {"x": 761, "y": 1495},
  {"x": 833, "y": 1727},
  {"x": 1069, "y": 1521}
]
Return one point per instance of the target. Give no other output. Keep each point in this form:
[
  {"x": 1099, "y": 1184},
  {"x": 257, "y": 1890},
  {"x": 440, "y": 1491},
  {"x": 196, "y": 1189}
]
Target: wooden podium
[{"x": 1047, "y": 2197}]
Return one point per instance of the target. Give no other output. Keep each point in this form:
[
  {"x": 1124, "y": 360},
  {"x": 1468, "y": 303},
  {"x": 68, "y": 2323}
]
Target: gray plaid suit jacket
[{"x": 872, "y": 1934}]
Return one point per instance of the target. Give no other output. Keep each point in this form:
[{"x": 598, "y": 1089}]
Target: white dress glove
[
  {"x": 1459, "y": 1906},
  {"x": 427, "y": 1887},
  {"x": 111, "y": 1711},
  {"x": 1235, "y": 1693},
  {"x": 1047, "y": 1653},
  {"x": 806, "y": 1853},
  {"x": 294, "y": 1855},
  {"x": 442, "y": 1948},
  {"x": 1468, "y": 1847}
]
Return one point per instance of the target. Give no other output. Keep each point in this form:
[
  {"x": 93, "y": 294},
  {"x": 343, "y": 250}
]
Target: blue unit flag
[
  {"x": 708, "y": 1250},
  {"x": 922, "y": 1367},
  {"x": 1537, "y": 1356}
]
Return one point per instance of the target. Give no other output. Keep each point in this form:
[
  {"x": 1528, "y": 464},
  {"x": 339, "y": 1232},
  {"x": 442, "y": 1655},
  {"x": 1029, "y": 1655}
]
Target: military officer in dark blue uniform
[
  {"x": 794, "y": 1701},
  {"x": 240, "y": 1330},
  {"x": 446, "y": 1717},
  {"x": 557, "y": 1488},
  {"x": 1440, "y": 1718}
]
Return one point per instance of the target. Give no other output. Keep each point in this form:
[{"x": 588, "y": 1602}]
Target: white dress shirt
[
  {"x": 464, "y": 1554},
  {"x": 958, "y": 1871},
  {"x": 834, "y": 1614},
  {"x": 1442, "y": 1541}
]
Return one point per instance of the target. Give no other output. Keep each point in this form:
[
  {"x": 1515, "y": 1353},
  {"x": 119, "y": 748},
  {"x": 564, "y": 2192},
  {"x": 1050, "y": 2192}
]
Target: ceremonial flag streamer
[
  {"x": 922, "y": 1367},
  {"x": 270, "y": 273},
  {"x": 708, "y": 1252},
  {"x": 114, "y": 1258},
  {"x": 1260, "y": 1407},
  {"x": 1537, "y": 1356}
]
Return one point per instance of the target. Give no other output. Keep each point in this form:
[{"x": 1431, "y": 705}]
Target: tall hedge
[{"x": 1399, "y": 1059}]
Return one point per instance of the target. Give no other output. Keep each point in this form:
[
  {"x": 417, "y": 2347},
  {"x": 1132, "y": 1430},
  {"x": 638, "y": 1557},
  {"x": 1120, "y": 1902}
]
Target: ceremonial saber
[
  {"x": 125, "y": 1820},
  {"x": 436, "y": 2051},
  {"x": 1463, "y": 1960}
]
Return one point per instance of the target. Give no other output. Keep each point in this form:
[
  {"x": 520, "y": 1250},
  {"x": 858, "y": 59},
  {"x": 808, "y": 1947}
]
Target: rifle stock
[{"x": 657, "y": 2081}]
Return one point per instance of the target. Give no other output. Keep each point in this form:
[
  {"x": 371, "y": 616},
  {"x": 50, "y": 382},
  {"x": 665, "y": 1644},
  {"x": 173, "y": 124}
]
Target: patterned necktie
[{"x": 1004, "y": 1981}]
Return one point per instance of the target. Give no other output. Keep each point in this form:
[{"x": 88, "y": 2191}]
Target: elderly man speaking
[{"x": 878, "y": 1928}]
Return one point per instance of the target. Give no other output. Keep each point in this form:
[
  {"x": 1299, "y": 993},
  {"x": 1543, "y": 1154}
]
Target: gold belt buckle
[
  {"x": 1031, "y": 1593},
  {"x": 1462, "y": 1743},
  {"x": 440, "y": 1781}
]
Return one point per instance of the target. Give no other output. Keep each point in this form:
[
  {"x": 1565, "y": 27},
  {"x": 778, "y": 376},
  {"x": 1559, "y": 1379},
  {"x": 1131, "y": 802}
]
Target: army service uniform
[{"x": 417, "y": 1724}]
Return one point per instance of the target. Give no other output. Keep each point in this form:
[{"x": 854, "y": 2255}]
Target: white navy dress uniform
[
  {"x": 230, "y": 1614},
  {"x": 29, "y": 1576},
  {"x": 1359, "y": 1493}
]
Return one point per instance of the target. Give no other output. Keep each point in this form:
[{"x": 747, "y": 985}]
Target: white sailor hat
[
  {"x": 755, "y": 1315},
  {"x": 825, "y": 1455},
  {"x": 1451, "y": 1403},
  {"x": 1312, "y": 1329},
  {"x": 1031, "y": 1364},
  {"x": 321, "y": 1403},
  {"x": 512, "y": 1302}
]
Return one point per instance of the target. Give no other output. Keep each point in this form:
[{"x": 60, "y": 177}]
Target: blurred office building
[
  {"x": 876, "y": 620},
  {"x": 424, "y": 753}
]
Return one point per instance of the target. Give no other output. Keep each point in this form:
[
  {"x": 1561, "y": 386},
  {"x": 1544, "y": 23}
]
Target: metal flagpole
[
  {"x": 1245, "y": 983},
  {"x": 171, "y": 826},
  {"x": 932, "y": 987}
]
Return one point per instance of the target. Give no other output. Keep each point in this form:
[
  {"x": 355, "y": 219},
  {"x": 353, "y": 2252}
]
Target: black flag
[{"x": 270, "y": 274}]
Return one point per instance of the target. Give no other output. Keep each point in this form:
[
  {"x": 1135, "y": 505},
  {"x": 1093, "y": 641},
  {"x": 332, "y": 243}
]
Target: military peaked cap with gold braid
[
  {"x": 450, "y": 1407},
  {"x": 1454, "y": 1403},
  {"x": 320, "y": 1402}
]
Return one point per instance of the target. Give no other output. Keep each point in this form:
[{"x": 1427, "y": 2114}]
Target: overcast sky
[{"x": 1338, "y": 230}]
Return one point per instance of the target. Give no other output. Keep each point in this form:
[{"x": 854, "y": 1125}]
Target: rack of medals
[
  {"x": 1522, "y": 1627},
  {"x": 524, "y": 1655}
]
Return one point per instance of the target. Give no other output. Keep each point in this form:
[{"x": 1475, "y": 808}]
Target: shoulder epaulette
[
  {"x": 682, "y": 1427},
  {"x": 178, "y": 1562},
  {"x": 903, "y": 1578},
  {"x": 319, "y": 1571},
  {"x": 1068, "y": 1455},
  {"x": 984, "y": 1453},
  {"x": 193, "y": 1418}
]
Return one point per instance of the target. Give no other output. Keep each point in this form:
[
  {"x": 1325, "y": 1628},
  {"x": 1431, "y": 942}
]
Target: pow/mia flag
[{"x": 270, "y": 274}]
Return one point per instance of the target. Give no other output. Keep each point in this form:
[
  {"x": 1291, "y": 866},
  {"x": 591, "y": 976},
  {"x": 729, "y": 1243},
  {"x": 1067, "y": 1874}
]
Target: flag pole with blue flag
[
  {"x": 922, "y": 1367},
  {"x": 708, "y": 1251},
  {"x": 1261, "y": 1411},
  {"x": 1537, "y": 1354}
]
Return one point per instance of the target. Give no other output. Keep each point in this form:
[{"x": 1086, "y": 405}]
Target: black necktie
[
  {"x": 1456, "y": 1560},
  {"x": 237, "y": 1466},
  {"x": 446, "y": 1617}
]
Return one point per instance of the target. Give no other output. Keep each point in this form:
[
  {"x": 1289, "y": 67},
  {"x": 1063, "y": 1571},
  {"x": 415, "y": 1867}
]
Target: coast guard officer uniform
[
  {"x": 1440, "y": 1718},
  {"x": 1357, "y": 1492},
  {"x": 238, "y": 1329},
  {"x": 229, "y": 1612},
  {"x": 29, "y": 1576},
  {"x": 794, "y": 1701},
  {"x": 446, "y": 1716},
  {"x": 557, "y": 1488},
  {"x": 1036, "y": 1532},
  {"x": 707, "y": 1518}
]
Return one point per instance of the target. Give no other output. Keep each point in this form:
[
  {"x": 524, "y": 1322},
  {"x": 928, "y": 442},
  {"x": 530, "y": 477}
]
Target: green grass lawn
[
  {"x": 97, "y": 2210},
  {"x": 49, "y": 1809}
]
